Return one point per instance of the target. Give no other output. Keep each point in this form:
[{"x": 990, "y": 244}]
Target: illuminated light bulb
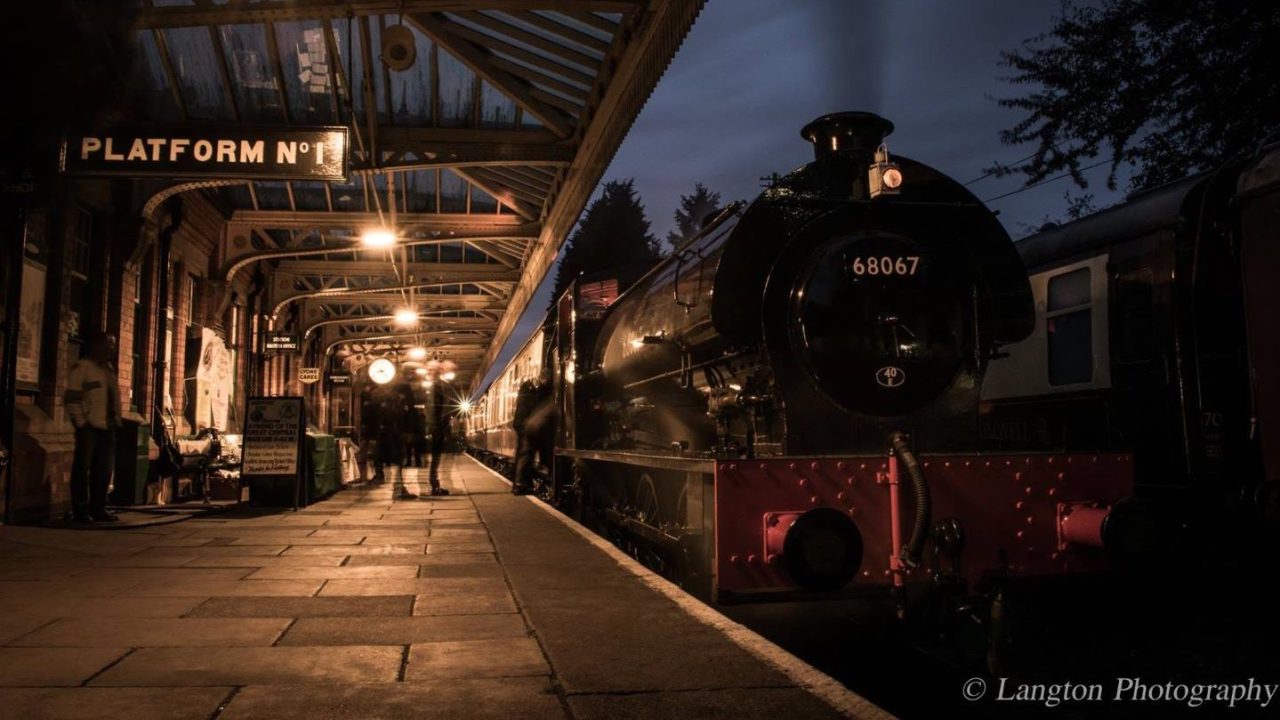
[
  {"x": 417, "y": 353},
  {"x": 426, "y": 383},
  {"x": 465, "y": 406},
  {"x": 382, "y": 371},
  {"x": 407, "y": 316},
  {"x": 421, "y": 371},
  {"x": 378, "y": 238},
  {"x": 448, "y": 377},
  {"x": 892, "y": 178}
]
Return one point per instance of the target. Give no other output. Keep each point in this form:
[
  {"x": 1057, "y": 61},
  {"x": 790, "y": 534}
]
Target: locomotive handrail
[
  {"x": 733, "y": 209},
  {"x": 675, "y": 285}
]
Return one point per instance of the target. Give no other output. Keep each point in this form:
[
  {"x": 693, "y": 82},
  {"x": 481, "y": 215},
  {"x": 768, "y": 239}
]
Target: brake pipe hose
[{"x": 910, "y": 555}]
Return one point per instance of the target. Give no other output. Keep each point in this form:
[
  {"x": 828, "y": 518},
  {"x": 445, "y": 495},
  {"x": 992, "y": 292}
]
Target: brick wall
[
  {"x": 194, "y": 251},
  {"x": 125, "y": 335}
]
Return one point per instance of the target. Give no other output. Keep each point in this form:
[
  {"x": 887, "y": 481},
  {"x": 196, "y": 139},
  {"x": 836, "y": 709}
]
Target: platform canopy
[{"x": 481, "y": 154}]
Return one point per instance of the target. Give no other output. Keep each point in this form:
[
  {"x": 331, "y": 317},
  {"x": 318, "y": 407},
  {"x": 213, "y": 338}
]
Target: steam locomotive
[{"x": 792, "y": 404}]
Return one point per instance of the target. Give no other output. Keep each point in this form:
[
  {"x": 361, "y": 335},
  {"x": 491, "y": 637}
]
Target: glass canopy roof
[{"x": 481, "y": 152}]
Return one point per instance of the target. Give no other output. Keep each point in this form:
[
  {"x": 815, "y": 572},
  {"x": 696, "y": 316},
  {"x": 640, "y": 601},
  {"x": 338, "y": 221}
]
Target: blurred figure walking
[{"x": 534, "y": 423}]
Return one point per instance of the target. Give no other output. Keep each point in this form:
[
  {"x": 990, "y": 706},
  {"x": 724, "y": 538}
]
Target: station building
[{"x": 241, "y": 191}]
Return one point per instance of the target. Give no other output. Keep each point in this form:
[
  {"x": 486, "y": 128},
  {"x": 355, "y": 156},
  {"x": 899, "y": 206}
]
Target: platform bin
[
  {"x": 322, "y": 451},
  {"x": 129, "y": 486}
]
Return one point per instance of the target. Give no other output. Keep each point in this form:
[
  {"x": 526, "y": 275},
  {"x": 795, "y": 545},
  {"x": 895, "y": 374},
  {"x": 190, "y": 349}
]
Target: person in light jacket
[{"x": 92, "y": 401}]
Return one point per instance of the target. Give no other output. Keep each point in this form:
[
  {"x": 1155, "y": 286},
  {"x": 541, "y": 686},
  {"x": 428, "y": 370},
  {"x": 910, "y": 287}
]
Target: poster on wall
[
  {"x": 30, "y": 323},
  {"x": 214, "y": 381},
  {"x": 272, "y": 436}
]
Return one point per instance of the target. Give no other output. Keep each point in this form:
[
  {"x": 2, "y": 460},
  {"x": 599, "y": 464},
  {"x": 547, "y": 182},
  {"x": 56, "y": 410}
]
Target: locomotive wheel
[{"x": 645, "y": 503}]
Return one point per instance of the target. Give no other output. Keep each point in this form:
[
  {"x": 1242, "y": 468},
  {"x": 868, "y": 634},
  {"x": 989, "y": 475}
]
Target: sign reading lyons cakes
[{"x": 239, "y": 151}]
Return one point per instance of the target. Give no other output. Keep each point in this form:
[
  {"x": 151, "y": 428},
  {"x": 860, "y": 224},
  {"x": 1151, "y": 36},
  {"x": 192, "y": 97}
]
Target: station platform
[{"x": 476, "y": 605}]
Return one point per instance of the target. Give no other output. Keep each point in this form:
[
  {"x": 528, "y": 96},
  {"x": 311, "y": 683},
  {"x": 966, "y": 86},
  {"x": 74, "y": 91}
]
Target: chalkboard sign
[{"x": 273, "y": 440}]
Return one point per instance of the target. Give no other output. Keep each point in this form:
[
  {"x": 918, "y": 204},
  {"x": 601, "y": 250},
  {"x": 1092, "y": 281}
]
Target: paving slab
[
  {"x": 178, "y": 542},
  {"x": 97, "y": 703},
  {"x": 160, "y": 575},
  {"x": 444, "y": 534},
  {"x": 259, "y": 561},
  {"x": 472, "y": 603},
  {"x": 414, "y": 549},
  {"x": 229, "y": 588},
  {"x": 458, "y": 521},
  {"x": 506, "y": 699},
  {"x": 44, "y": 667},
  {"x": 215, "y": 550},
  {"x": 146, "y": 560},
  {"x": 454, "y": 587},
  {"x": 14, "y": 626},
  {"x": 109, "y": 608},
  {"x": 155, "y": 632},
  {"x": 435, "y": 548},
  {"x": 476, "y": 659},
  {"x": 460, "y": 570},
  {"x": 367, "y": 572},
  {"x": 304, "y": 607},
  {"x": 34, "y": 590},
  {"x": 437, "y": 559},
  {"x": 750, "y": 704},
  {"x": 158, "y": 667},
  {"x": 10, "y": 571},
  {"x": 298, "y": 541},
  {"x": 404, "y": 630}
]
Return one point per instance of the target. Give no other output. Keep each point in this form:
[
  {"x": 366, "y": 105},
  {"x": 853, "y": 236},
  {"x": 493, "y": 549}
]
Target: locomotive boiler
[{"x": 788, "y": 405}]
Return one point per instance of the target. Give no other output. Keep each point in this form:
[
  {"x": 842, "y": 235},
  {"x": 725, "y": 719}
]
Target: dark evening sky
[{"x": 751, "y": 73}]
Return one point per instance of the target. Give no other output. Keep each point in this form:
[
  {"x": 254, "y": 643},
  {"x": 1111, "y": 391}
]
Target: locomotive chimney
[{"x": 847, "y": 136}]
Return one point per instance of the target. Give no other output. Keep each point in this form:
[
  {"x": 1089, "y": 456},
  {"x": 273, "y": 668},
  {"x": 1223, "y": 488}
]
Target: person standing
[
  {"x": 92, "y": 400},
  {"x": 438, "y": 417}
]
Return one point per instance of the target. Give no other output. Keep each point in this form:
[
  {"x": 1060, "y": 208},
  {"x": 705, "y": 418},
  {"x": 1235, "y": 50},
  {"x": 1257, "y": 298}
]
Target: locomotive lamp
[{"x": 885, "y": 177}]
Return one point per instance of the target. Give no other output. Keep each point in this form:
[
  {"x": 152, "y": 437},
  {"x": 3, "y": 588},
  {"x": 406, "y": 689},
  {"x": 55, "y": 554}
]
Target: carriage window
[{"x": 1069, "y": 327}]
